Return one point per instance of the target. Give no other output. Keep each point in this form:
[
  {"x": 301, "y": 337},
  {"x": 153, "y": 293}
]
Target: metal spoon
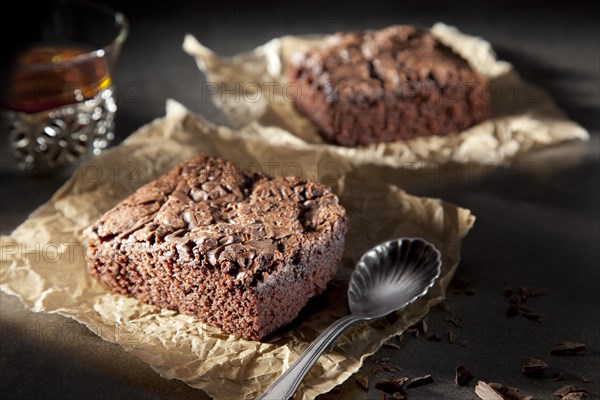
[{"x": 387, "y": 278}]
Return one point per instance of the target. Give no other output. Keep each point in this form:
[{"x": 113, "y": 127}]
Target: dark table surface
[{"x": 538, "y": 231}]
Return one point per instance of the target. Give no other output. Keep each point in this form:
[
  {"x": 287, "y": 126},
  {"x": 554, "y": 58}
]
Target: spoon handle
[{"x": 285, "y": 386}]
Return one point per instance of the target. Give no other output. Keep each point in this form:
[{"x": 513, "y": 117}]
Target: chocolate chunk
[
  {"x": 533, "y": 366},
  {"x": 390, "y": 386},
  {"x": 419, "y": 381},
  {"x": 462, "y": 375},
  {"x": 362, "y": 381},
  {"x": 568, "y": 349}
]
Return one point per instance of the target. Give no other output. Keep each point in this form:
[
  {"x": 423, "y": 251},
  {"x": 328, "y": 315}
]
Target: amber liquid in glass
[
  {"x": 47, "y": 77},
  {"x": 60, "y": 105}
]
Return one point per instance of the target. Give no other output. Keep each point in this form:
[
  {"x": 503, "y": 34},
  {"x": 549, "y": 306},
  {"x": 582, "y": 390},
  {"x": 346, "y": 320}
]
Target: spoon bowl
[
  {"x": 391, "y": 275},
  {"x": 387, "y": 278}
]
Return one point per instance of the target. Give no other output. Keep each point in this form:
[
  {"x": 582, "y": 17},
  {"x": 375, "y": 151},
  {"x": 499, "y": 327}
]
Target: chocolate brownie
[
  {"x": 243, "y": 252},
  {"x": 394, "y": 84}
]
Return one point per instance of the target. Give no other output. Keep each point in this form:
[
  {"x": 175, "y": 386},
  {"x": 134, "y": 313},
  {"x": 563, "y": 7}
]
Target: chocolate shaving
[
  {"x": 464, "y": 343},
  {"x": 558, "y": 376},
  {"x": 434, "y": 337},
  {"x": 451, "y": 336},
  {"x": 362, "y": 381},
  {"x": 568, "y": 349},
  {"x": 527, "y": 313},
  {"x": 567, "y": 390},
  {"x": 576, "y": 396},
  {"x": 461, "y": 282},
  {"x": 391, "y": 345},
  {"x": 517, "y": 298},
  {"x": 486, "y": 392},
  {"x": 585, "y": 379},
  {"x": 533, "y": 366},
  {"x": 444, "y": 307},
  {"x": 381, "y": 361},
  {"x": 455, "y": 321},
  {"x": 419, "y": 381},
  {"x": 391, "y": 385},
  {"x": 512, "y": 311},
  {"x": 390, "y": 369},
  {"x": 507, "y": 391},
  {"x": 463, "y": 375},
  {"x": 461, "y": 285},
  {"x": 419, "y": 327},
  {"x": 538, "y": 292}
]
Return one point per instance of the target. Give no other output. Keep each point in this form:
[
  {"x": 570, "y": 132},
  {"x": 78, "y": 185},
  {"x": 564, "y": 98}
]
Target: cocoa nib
[
  {"x": 463, "y": 375},
  {"x": 568, "y": 349},
  {"x": 533, "y": 366},
  {"x": 434, "y": 337}
]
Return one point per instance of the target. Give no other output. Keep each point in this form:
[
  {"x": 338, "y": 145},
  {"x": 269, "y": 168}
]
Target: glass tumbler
[{"x": 60, "y": 104}]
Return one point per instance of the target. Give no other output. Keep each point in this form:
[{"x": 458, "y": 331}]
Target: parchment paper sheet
[
  {"x": 253, "y": 87},
  {"x": 42, "y": 261}
]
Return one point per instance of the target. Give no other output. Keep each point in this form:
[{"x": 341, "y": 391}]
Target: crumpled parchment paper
[
  {"x": 42, "y": 261},
  {"x": 252, "y": 86}
]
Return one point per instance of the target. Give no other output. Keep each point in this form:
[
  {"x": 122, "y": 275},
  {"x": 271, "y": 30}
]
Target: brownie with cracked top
[
  {"x": 394, "y": 84},
  {"x": 243, "y": 252}
]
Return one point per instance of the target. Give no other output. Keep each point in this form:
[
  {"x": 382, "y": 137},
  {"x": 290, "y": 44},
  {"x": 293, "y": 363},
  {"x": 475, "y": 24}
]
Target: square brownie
[
  {"x": 243, "y": 252},
  {"x": 383, "y": 86}
]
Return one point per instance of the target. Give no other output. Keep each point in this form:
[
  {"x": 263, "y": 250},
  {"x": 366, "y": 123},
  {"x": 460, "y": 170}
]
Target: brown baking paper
[
  {"x": 252, "y": 87},
  {"x": 42, "y": 261}
]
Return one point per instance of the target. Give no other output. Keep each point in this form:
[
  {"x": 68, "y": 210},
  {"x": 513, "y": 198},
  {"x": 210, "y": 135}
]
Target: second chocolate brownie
[{"x": 394, "y": 84}]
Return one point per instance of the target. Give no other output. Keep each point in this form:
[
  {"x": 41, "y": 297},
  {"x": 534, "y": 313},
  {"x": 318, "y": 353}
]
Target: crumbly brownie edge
[
  {"x": 281, "y": 298},
  {"x": 156, "y": 277}
]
